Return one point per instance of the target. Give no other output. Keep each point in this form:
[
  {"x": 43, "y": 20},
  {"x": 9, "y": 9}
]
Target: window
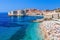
[
  {"x": 14, "y": 12},
  {"x": 10, "y": 12},
  {"x": 23, "y": 12},
  {"x": 38, "y": 14}
]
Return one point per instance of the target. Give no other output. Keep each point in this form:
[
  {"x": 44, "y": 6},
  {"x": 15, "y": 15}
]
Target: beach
[{"x": 51, "y": 30}]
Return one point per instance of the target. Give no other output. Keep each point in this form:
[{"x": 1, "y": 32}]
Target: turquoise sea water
[
  {"x": 19, "y": 28},
  {"x": 32, "y": 32}
]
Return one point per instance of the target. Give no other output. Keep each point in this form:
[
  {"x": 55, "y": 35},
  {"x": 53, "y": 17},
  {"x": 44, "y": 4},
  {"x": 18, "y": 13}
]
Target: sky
[{"x": 8, "y": 5}]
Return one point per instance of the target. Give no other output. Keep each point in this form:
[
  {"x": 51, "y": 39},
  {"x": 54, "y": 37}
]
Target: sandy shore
[
  {"x": 44, "y": 31},
  {"x": 50, "y": 30}
]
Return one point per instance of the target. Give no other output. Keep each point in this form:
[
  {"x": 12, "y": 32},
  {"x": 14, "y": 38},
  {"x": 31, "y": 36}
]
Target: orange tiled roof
[{"x": 34, "y": 11}]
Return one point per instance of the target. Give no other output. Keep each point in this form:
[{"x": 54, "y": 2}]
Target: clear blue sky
[{"x": 7, "y": 5}]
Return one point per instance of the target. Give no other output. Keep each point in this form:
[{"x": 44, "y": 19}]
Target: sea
[{"x": 19, "y": 27}]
